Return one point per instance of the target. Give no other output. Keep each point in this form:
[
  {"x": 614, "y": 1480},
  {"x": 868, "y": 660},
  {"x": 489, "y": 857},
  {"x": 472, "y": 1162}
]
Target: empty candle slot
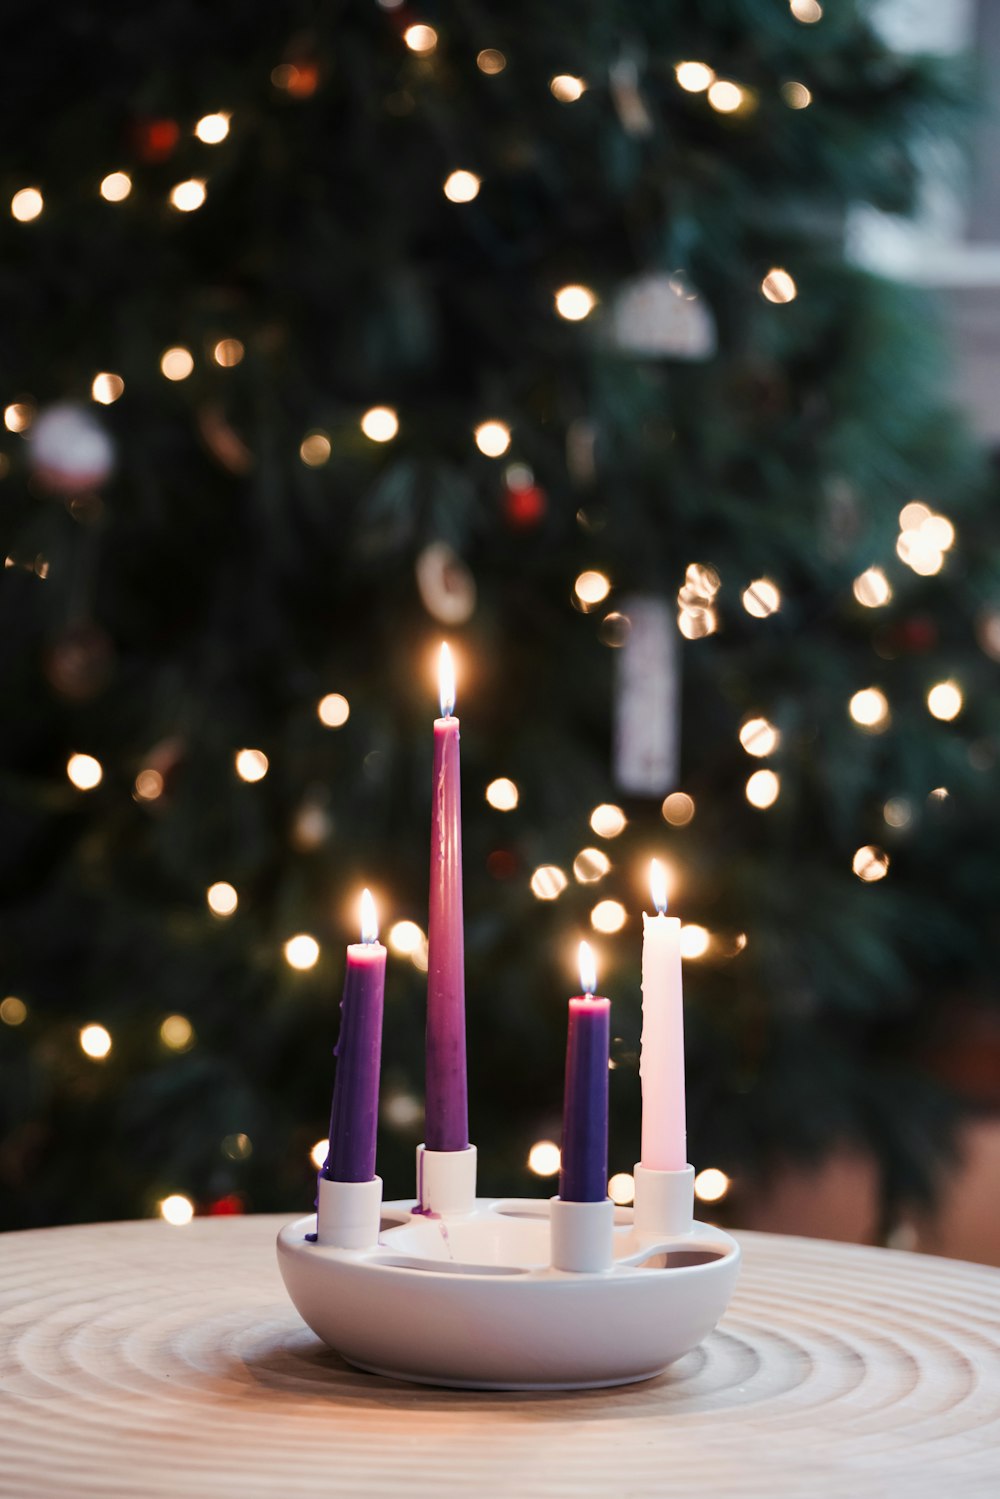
[
  {"x": 527, "y": 1209},
  {"x": 677, "y": 1259},
  {"x": 446, "y": 1267}
]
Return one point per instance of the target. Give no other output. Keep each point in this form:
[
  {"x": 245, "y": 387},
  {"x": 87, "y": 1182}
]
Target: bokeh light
[
  {"x": 301, "y": 952},
  {"x": 898, "y": 811},
  {"x": 502, "y": 794},
  {"x": 319, "y": 1153},
  {"x": 796, "y": 95},
  {"x": 590, "y": 865},
  {"x": 711, "y": 1185},
  {"x": 694, "y": 77},
  {"x": 213, "y": 128},
  {"x": 761, "y": 598},
  {"x": 759, "y": 737},
  {"x": 945, "y": 700},
  {"x": 870, "y": 709},
  {"x": 725, "y": 96},
  {"x": 222, "y": 898},
  {"x": 762, "y": 789},
  {"x": 678, "y": 809},
  {"x": 251, "y": 764},
  {"x": 177, "y": 1210},
  {"x": 548, "y": 882},
  {"x": 17, "y": 417},
  {"x": 333, "y": 710},
  {"x": 177, "y": 1032},
  {"x": 26, "y": 204},
  {"x": 492, "y": 438},
  {"x": 13, "y": 1011},
  {"x": 187, "y": 196},
  {"x": 621, "y": 1188},
  {"x": 380, "y": 424},
  {"x": 421, "y": 39},
  {"x": 95, "y": 1042},
  {"x": 148, "y": 785},
  {"x": 607, "y": 820},
  {"x": 566, "y": 88},
  {"x": 84, "y": 771},
  {"x": 315, "y": 449},
  {"x": 115, "y": 187},
  {"x": 778, "y": 286},
  {"x": 695, "y": 940},
  {"x": 608, "y": 916},
  {"x": 107, "y": 388},
  {"x": 872, "y": 588},
  {"x": 591, "y": 588},
  {"x": 574, "y": 303},
  {"x": 544, "y": 1158},
  {"x": 228, "y": 353},
  {"x": 461, "y": 186},
  {"x": 870, "y": 863},
  {"x": 490, "y": 61},
  {"x": 176, "y": 363}
]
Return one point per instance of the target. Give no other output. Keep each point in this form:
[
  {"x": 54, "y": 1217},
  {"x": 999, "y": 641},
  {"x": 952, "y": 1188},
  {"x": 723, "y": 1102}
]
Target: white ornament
[
  {"x": 446, "y": 585},
  {"x": 657, "y": 316},
  {"x": 70, "y": 450},
  {"x": 647, "y": 700}
]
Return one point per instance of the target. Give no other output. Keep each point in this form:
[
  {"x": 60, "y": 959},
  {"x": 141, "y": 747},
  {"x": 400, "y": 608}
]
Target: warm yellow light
[
  {"x": 761, "y": 598},
  {"x": 301, "y": 951},
  {"x": 18, "y": 417},
  {"x": 446, "y": 680},
  {"x": 574, "y": 303},
  {"x": 548, "y": 882},
  {"x": 695, "y": 940},
  {"x": 945, "y": 700},
  {"x": 872, "y": 588},
  {"x": 591, "y": 589},
  {"x": 695, "y": 624},
  {"x": 13, "y": 1011},
  {"x": 591, "y": 865},
  {"x": 502, "y": 794},
  {"x": 26, "y": 204},
  {"x": 95, "y": 1042},
  {"x": 315, "y": 449},
  {"x": 493, "y": 438},
  {"x": 176, "y": 363},
  {"x": 759, "y": 737},
  {"x": 333, "y": 710},
  {"x": 566, "y": 88},
  {"x": 211, "y": 129},
  {"x": 607, "y": 820},
  {"x": 920, "y": 553},
  {"x": 177, "y": 1032},
  {"x": 148, "y": 785},
  {"x": 870, "y": 863},
  {"x": 659, "y": 884},
  {"x": 187, "y": 196},
  {"x": 380, "y": 424},
  {"x": 725, "y": 97},
  {"x": 897, "y": 812},
  {"x": 319, "y": 1153},
  {"x": 421, "y": 39},
  {"x": 236, "y": 1147},
  {"x": 106, "y": 388},
  {"x": 694, "y": 77},
  {"x": 796, "y": 95},
  {"x": 84, "y": 771},
  {"x": 228, "y": 352},
  {"x": 544, "y": 1158},
  {"x": 806, "y": 11},
  {"x": 222, "y": 898},
  {"x": 762, "y": 789},
  {"x": 778, "y": 286},
  {"x": 491, "y": 61},
  {"x": 621, "y": 1188},
  {"x": 608, "y": 916},
  {"x": 116, "y": 186},
  {"x": 678, "y": 809},
  {"x": 251, "y": 764},
  {"x": 870, "y": 709},
  {"x": 913, "y": 515},
  {"x": 939, "y": 531},
  {"x": 177, "y": 1210},
  {"x": 461, "y": 187},
  {"x": 711, "y": 1185},
  {"x": 407, "y": 939}
]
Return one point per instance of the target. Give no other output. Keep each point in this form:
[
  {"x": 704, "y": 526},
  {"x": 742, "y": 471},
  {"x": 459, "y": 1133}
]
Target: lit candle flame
[
  {"x": 369, "y": 919},
  {"x": 446, "y": 682},
  {"x": 658, "y": 885},
  {"x": 588, "y": 969}
]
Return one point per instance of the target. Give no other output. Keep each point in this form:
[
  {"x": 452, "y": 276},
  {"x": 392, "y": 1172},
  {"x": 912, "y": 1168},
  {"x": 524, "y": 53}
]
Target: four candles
[{"x": 583, "y": 1174}]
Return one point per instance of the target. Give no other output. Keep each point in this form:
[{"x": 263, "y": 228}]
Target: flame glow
[
  {"x": 658, "y": 885},
  {"x": 588, "y": 969},
  {"x": 446, "y": 682},
  {"x": 369, "y": 918}
]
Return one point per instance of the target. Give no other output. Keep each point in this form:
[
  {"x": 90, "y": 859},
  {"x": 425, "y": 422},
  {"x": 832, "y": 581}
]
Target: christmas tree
[{"x": 332, "y": 331}]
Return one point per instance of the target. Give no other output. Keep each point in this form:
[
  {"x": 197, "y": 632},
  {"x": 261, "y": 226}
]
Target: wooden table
[{"x": 138, "y": 1359}]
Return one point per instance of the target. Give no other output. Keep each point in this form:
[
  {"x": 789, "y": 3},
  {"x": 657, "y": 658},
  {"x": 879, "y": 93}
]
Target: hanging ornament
[
  {"x": 80, "y": 663},
  {"x": 581, "y": 446},
  {"x": 524, "y": 503},
  {"x": 626, "y": 95},
  {"x": 657, "y": 316},
  {"x": 647, "y": 699},
  {"x": 447, "y": 588},
  {"x": 70, "y": 450},
  {"x": 230, "y": 1206},
  {"x": 155, "y": 140}
]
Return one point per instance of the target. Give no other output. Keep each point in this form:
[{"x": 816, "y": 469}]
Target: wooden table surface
[{"x": 140, "y": 1360}]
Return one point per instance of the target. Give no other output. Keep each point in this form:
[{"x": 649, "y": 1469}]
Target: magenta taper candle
[
  {"x": 354, "y": 1115},
  {"x": 447, "y": 1106}
]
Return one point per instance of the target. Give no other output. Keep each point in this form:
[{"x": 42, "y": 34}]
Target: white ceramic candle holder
[{"x": 478, "y": 1299}]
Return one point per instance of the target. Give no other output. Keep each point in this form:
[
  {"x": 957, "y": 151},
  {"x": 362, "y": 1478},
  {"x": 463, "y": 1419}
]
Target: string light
[
  {"x": 759, "y": 737},
  {"x": 574, "y": 303},
  {"x": 762, "y": 789},
  {"x": 187, "y": 196},
  {"x": 176, "y": 363},
  {"x": 148, "y": 785},
  {"x": 938, "y": 530},
  {"x": 380, "y": 424},
  {"x": 26, "y": 204},
  {"x": 621, "y": 1188},
  {"x": 608, "y": 916},
  {"x": 95, "y": 1042},
  {"x": 222, "y": 898},
  {"x": 13, "y": 1011},
  {"x": 18, "y": 416},
  {"x": 409, "y": 941},
  {"x": 920, "y": 553},
  {"x": 237, "y": 1147},
  {"x": 607, "y": 820},
  {"x": 870, "y": 863},
  {"x": 761, "y": 598},
  {"x": 228, "y": 352},
  {"x": 591, "y": 865},
  {"x": 806, "y": 11},
  {"x": 177, "y": 1032},
  {"x": 107, "y": 388},
  {"x": 694, "y": 77},
  {"x": 84, "y": 771},
  {"x": 462, "y": 187},
  {"x": 115, "y": 187},
  {"x": 725, "y": 97},
  {"x": 870, "y": 709},
  {"x": 502, "y": 794},
  {"x": 491, "y": 61},
  {"x": 315, "y": 449},
  {"x": 492, "y": 438},
  {"x": 251, "y": 764},
  {"x": 591, "y": 588},
  {"x": 695, "y": 940},
  {"x": 872, "y": 588},
  {"x": 333, "y": 710},
  {"x": 779, "y": 286},
  {"x": 566, "y": 88},
  {"x": 421, "y": 39},
  {"x": 678, "y": 809},
  {"x": 897, "y": 811},
  {"x": 945, "y": 700},
  {"x": 301, "y": 952},
  {"x": 711, "y": 1185},
  {"x": 796, "y": 95},
  {"x": 319, "y": 1153},
  {"x": 211, "y": 129},
  {"x": 544, "y": 1158},
  {"x": 177, "y": 1210},
  {"x": 548, "y": 882}
]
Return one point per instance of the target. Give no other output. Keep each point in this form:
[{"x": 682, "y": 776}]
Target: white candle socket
[
  {"x": 664, "y": 1202},
  {"x": 446, "y": 1181},
  {"x": 583, "y": 1235},
  {"x": 348, "y": 1213}
]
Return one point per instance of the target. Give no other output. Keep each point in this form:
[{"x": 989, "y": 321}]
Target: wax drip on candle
[
  {"x": 658, "y": 886},
  {"x": 446, "y": 682}
]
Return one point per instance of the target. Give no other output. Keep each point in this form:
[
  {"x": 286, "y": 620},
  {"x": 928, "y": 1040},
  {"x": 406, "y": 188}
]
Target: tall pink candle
[
  {"x": 661, "y": 1059},
  {"x": 447, "y": 1107}
]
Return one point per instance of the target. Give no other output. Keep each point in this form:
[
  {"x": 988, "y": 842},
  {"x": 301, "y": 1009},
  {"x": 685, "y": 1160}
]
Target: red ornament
[
  {"x": 155, "y": 140},
  {"x": 226, "y": 1207},
  {"x": 917, "y": 634},
  {"x": 524, "y": 507}
]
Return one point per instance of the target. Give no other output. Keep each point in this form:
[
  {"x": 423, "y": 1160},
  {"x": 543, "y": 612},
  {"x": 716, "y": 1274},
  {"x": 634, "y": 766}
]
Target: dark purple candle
[
  {"x": 447, "y": 1108},
  {"x": 584, "y": 1173},
  {"x": 354, "y": 1116}
]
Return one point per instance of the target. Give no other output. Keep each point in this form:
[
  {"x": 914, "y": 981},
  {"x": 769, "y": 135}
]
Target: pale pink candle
[{"x": 661, "y": 1059}]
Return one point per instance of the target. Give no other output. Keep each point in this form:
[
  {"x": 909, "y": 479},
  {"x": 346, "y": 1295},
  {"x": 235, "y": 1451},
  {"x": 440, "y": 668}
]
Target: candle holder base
[{"x": 474, "y": 1302}]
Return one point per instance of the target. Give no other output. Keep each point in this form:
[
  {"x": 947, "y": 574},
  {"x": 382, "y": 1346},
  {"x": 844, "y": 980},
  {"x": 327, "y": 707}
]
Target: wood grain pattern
[{"x": 142, "y": 1360}]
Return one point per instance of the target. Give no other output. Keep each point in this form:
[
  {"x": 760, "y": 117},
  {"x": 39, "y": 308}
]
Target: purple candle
[
  {"x": 584, "y": 1173},
  {"x": 447, "y": 1108},
  {"x": 354, "y": 1116}
]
